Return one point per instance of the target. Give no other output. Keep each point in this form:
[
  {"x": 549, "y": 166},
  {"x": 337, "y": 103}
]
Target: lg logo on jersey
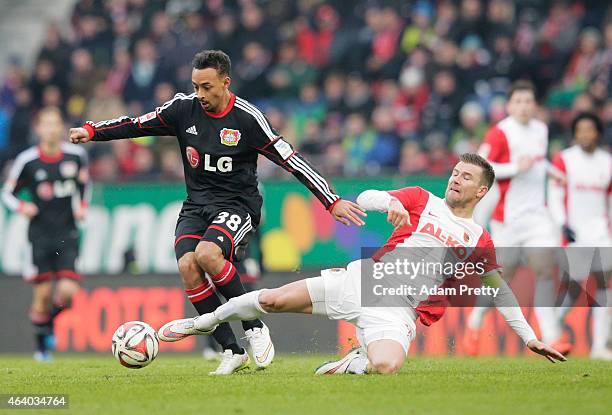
[
  {"x": 47, "y": 190},
  {"x": 223, "y": 165}
]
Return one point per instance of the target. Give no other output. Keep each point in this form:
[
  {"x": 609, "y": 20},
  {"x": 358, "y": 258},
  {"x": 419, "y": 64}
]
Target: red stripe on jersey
[
  {"x": 227, "y": 109},
  {"x": 499, "y": 152},
  {"x": 164, "y": 123},
  {"x": 559, "y": 163},
  {"x": 115, "y": 126}
]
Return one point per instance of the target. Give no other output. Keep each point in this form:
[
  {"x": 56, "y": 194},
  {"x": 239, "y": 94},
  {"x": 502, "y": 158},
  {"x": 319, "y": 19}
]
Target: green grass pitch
[{"x": 179, "y": 384}]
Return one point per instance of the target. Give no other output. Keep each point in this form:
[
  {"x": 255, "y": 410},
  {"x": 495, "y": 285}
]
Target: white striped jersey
[{"x": 219, "y": 150}]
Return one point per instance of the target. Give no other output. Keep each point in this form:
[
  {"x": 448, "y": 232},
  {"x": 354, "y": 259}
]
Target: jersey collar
[
  {"x": 50, "y": 158},
  {"x": 227, "y": 109}
]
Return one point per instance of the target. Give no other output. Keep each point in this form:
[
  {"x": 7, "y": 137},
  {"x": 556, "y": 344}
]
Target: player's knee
[
  {"x": 273, "y": 301},
  {"x": 189, "y": 269},
  {"x": 66, "y": 293},
  {"x": 207, "y": 254},
  {"x": 387, "y": 366}
]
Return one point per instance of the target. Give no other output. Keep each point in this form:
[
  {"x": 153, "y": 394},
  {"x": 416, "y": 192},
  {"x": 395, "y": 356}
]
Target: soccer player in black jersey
[
  {"x": 220, "y": 137},
  {"x": 55, "y": 174}
]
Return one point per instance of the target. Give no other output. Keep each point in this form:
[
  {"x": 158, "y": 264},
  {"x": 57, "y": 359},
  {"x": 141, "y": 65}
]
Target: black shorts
[
  {"x": 55, "y": 257},
  {"x": 229, "y": 228}
]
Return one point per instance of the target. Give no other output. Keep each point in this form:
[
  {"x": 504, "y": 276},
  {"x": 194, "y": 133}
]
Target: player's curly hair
[
  {"x": 588, "y": 116},
  {"x": 216, "y": 59},
  {"x": 488, "y": 174}
]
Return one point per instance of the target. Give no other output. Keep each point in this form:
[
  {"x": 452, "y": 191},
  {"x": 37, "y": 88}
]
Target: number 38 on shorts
[{"x": 231, "y": 231}]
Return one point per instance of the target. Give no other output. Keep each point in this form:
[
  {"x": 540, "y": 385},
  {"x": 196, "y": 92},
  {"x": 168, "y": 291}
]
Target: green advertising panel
[{"x": 130, "y": 227}]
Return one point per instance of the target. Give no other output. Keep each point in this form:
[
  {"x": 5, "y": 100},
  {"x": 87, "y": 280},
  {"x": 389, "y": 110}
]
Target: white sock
[
  {"x": 601, "y": 319},
  {"x": 244, "y": 307},
  {"x": 358, "y": 366},
  {"x": 544, "y": 301}
]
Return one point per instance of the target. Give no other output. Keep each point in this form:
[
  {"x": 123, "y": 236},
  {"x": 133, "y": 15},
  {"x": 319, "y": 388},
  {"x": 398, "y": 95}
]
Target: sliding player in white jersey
[
  {"x": 517, "y": 147},
  {"x": 422, "y": 222},
  {"x": 580, "y": 206}
]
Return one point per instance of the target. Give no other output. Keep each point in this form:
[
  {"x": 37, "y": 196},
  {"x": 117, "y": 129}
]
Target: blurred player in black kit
[
  {"x": 56, "y": 176},
  {"x": 220, "y": 136}
]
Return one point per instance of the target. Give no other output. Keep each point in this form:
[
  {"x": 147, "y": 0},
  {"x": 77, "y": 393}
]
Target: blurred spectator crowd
[{"x": 359, "y": 87}]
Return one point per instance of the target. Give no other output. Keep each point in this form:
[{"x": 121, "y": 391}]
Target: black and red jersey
[
  {"x": 56, "y": 184},
  {"x": 219, "y": 150}
]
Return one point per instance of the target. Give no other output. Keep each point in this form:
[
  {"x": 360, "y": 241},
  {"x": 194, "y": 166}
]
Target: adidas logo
[
  {"x": 192, "y": 130},
  {"x": 220, "y": 238}
]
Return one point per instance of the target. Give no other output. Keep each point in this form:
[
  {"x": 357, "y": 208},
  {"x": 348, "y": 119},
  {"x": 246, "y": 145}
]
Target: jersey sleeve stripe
[
  {"x": 114, "y": 120},
  {"x": 9, "y": 199},
  {"x": 331, "y": 196},
  {"x": 20, "y": 162},
  {"x": 316, "y": 175},
  {"x": 260, "y": 120},
  {"x": 258, "y": 115},
  {"x": 321, "y": 187},
  {"x": 178, "y": 96}
]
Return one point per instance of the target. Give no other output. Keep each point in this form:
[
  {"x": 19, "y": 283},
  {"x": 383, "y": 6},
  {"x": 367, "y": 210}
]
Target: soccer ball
[{"x": 135, "y": 344}]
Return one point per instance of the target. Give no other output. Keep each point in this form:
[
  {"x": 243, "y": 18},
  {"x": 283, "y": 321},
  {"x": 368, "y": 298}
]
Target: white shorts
[
  {"x": 337, "y": 295},
  {"x": 535, "y": 231}
]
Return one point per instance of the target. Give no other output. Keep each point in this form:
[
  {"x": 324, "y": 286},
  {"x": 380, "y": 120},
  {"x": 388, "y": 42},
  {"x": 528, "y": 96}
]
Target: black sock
[
  {"x": 222, "y": 334},
  {"x": 229, "y": 285},
  {"x": 41, "y": 331}
]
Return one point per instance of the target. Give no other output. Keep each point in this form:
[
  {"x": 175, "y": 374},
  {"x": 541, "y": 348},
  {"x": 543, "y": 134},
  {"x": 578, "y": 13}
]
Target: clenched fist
[
  {"x": 397, "y": 215},
  {"x": 79, "y": 135}
]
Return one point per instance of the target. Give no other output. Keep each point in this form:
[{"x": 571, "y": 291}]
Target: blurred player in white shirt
[
  {"x": 581, "y": 207},
  {"x": 517, "y": 147},
  {"x": 422, "y": 223}
]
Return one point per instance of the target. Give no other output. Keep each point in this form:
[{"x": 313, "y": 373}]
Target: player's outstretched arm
[
  {"x": 159, "y": 122},
  {"x": 507, "y": 305},
  {"x": 380, "y": 201}
]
